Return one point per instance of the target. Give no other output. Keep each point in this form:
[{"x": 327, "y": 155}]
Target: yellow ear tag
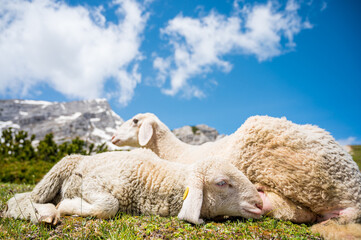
[{"x": 185, "y": 193}]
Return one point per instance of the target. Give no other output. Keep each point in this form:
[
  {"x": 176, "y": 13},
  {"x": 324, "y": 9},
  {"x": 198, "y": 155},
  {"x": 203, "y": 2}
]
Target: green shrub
[
  {"x": 21, "y": 162},
  {"x": 195, "y": 130},
  {"x": 356, "y": 154}
]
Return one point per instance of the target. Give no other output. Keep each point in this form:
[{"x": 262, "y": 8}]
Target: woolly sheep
[
  {"x": 138, "y": 182},
  {"x": 302, "y": 173}
]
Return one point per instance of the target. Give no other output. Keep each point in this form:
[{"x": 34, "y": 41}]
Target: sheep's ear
[
  {"x": 145, "y": 133},
  {"x": 192, "y": 204}
]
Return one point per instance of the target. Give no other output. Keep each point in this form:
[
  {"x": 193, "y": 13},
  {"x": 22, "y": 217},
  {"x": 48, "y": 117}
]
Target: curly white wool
[
  {"x": 304, "y": 172},
  {"x": 138, "y": 182}
]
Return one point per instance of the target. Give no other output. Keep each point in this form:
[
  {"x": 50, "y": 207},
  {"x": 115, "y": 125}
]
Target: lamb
[
  {"x": 302, "y": 173},
  {"x": 138, "y": 182}
]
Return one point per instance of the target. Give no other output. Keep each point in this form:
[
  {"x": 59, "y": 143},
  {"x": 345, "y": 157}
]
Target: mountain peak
[{"x": 90, "y": 120}]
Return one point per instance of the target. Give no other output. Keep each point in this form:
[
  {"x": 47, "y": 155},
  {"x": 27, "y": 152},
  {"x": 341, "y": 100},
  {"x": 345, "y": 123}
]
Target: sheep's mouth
[
  {"x": 256, "y": 211},
  {"x": 253, "y": 211},
  {"x": 116, "y": 141}
]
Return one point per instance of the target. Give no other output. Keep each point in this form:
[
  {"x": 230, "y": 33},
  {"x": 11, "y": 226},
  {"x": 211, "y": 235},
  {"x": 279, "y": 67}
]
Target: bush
[
  {"x": 356, "y": 154},
  {"x": 21, "y": 162}
]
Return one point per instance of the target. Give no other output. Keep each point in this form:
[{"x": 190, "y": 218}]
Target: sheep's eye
[
  {"x": 221, "y": 183},
  {"x": 135, "y": 121}
]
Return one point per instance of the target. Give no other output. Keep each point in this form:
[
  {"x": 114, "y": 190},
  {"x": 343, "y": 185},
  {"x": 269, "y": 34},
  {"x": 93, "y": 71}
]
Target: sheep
[
  {"x": 138, "y": 182},
  {"x": 302, "y": 173}
]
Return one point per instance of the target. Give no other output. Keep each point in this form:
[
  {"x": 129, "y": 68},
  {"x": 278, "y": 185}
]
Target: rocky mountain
[
  {"x": 92, "y": 120},
  {"x": 198, "y": 134}
]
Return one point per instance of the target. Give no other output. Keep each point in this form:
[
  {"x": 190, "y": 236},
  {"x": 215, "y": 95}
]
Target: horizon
[{"x": 190, "y": 62}]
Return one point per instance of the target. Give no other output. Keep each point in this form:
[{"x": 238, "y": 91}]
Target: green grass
[
  {"x": 125, "y": 226},
  {"x": 356, "y": 154}
]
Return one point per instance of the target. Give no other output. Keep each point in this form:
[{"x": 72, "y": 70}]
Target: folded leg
[
  {"x": 278, "y": 206},
  {"x": 21, "y": 206},
  {"x": 98, "y": 205},
  {"x": 341, "y": 215}
]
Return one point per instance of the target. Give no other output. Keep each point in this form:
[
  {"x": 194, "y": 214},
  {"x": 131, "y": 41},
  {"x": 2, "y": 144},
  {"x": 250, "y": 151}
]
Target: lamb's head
[
  {"x": 137, "y": 131},
  {"x": 217, "y": 188}
]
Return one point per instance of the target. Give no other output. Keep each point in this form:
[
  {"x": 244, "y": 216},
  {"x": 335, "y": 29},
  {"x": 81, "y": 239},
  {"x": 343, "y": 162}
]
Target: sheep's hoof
[
  {"x": 52, "y": 220},
  {"x": 200, "y": 221}
]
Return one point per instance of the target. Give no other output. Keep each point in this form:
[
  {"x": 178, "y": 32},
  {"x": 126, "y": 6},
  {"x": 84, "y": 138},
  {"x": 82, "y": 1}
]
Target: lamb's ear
[
  {"x": 192, "y": 204},
  {"x": 145, "y": 133}
]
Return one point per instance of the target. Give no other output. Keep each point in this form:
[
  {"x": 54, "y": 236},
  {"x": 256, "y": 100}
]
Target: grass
[{"x": 125, "y": 226}]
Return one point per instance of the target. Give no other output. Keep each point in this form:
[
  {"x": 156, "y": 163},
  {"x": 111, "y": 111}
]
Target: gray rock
[
  {"x": 197, "y": 135},
  {"x": 91, "y": 120}
]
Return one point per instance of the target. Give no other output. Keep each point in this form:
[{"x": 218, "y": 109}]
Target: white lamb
[
  {"x": 303, "y": 174},
  {"x": 138, "y": 182}
]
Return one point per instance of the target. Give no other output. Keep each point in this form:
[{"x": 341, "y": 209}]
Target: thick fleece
[
  {"x": 138, "y": 182},
  {"x": 304, "y": 172}
]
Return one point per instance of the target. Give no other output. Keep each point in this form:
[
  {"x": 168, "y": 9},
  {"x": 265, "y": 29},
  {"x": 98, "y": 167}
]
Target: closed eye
[{"x": 221, "y": 183}]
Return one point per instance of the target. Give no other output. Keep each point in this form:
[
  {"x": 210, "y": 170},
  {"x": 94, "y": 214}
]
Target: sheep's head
[
  {"x": 136, "y": 131},
  {"x": 217, "y": 188}
]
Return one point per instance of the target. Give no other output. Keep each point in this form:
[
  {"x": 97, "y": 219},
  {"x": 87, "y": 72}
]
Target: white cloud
[
  {"x": 162, "y": 65},
  {"x": 261, "y": 30},
  {"x": 324, "y": 6},
  {"x": 348, "y": 141},
  {"x": 73, "y": 49}
]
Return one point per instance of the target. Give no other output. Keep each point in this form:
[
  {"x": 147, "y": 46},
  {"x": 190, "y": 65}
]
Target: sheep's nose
[
  {"x": 115, "y": 140},
  {"x": 259, "y": 205}
]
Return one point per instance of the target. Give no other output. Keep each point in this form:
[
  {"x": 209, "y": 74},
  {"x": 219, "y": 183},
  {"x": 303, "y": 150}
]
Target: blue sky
[{"x": 190, "y": 62}]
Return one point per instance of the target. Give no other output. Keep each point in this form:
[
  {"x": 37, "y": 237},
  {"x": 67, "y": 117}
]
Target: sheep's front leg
[
  {"x": 21, "y": 206},
  {"x": 101, "y": 206},
  {"x": 280, "y": 207}
]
